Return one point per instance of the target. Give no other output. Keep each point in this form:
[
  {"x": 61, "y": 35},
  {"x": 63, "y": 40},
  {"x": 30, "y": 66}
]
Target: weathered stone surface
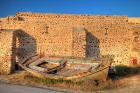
[
  {"x": 71, "y": 35},
  {"x": 7, "y": 59}
]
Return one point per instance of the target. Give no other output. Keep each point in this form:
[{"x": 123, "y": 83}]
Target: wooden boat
[{"x": 67, "y": 68}]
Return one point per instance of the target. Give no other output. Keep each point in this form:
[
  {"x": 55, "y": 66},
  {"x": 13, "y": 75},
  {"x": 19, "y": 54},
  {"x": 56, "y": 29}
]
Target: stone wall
[
  {"x": 134, "y": 20},
  {"x": 53, "y": 34},
  {"x": 135, "y": 51},
  {"x": 79, "y": 42},
  {"x": 7, "y": 55}
]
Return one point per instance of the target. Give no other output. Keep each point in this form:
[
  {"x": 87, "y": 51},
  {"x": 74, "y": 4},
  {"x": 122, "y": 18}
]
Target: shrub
[{"x": 125, "y": 70}]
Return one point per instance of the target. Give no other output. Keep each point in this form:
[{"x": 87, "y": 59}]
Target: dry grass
[
  {"x": 88, "y": 85},
  {"x": 126, "y": 74},
  {"x": 24, "y": 78}
]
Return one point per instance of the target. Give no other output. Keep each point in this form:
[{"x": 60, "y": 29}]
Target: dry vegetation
[
  {"x": 24, "y": 78},
  {"x": 125, "y": 74}
]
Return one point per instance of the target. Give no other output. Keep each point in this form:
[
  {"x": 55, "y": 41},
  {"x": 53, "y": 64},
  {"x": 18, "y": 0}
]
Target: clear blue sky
[{"x": 98, "y": 7}]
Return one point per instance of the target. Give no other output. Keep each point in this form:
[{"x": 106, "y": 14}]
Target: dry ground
[{"x": 127, "y": 84}]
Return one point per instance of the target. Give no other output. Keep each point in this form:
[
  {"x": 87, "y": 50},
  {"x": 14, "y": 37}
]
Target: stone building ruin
[{"x": 68, "y": 35}]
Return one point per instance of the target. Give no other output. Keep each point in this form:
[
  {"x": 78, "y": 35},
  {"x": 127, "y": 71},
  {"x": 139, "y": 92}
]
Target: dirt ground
[{"x": 127, "y": 84}]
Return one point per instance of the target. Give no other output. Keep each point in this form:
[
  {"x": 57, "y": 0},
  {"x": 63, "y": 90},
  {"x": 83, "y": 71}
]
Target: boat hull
[{"x": 99, "y": 73}]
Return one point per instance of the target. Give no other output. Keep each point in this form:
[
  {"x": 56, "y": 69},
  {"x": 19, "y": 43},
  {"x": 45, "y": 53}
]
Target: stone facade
[
  {"x": 134, "y": 20},
  {"x": 79, "y": 42},
  {"x": 135, "y": 51},
  {"x": 7, "y": 55},
  {"x": 72, "y": 35}
]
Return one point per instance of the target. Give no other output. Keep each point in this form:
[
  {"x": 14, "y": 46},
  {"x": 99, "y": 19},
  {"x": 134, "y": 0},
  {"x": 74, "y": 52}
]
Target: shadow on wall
[
  {"x": 13, "y": 56},
  {"x": 92, "y": 46},
  {"x": 26, "y": 45}
]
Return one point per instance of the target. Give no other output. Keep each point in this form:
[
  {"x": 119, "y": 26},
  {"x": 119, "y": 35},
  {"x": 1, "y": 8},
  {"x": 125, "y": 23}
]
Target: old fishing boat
[{"x": 67, "y": 68}]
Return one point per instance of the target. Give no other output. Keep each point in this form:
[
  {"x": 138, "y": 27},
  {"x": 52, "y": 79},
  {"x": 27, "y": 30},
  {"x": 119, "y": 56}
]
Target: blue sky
[{"x": 97, "y": 7}]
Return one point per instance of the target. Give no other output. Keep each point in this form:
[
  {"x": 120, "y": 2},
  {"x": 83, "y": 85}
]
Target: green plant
[{"x": 125, "y": 70}]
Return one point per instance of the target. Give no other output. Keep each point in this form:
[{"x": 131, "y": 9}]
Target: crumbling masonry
[{"x": 68, "y": 35}]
